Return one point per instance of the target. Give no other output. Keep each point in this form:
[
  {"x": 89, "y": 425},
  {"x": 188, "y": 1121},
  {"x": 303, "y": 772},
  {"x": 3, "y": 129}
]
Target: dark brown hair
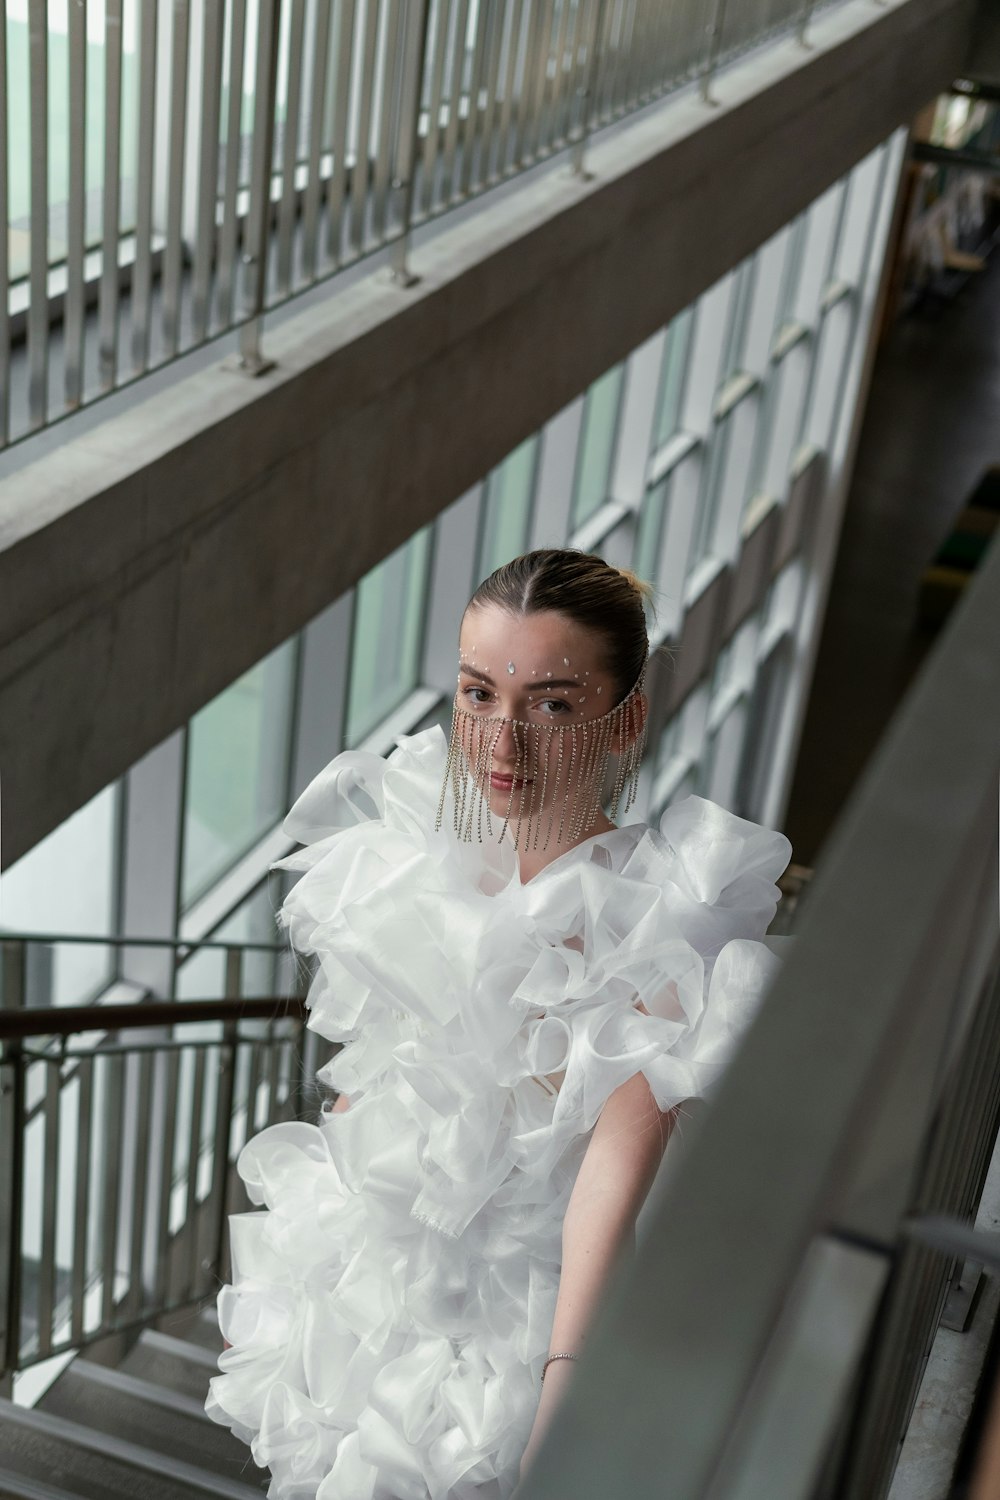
[{"x": 606, "y": 600}]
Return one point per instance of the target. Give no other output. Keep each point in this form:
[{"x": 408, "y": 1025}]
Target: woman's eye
[
  {"x": 554, "y": 705},
  {"x": 472, "y": 692}
]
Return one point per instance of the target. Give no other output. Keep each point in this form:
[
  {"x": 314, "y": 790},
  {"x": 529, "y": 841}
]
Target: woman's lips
[{"x": 505, "y": 783}]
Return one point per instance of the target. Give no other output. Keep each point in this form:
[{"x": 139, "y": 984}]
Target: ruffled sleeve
[{"x": 671, "y": 969}]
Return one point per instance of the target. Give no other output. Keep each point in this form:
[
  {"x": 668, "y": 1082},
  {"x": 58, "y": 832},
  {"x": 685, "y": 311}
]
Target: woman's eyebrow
[
  {"x": 475, "y": 672},
  {"x": 551, "y": 682}
]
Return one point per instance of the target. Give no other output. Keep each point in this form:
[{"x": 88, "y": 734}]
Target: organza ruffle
[{"x": 392, "y": 1299}]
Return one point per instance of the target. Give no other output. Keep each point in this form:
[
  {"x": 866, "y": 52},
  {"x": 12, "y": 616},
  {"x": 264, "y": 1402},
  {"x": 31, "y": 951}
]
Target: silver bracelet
[{"x": 556, "y": 1356}]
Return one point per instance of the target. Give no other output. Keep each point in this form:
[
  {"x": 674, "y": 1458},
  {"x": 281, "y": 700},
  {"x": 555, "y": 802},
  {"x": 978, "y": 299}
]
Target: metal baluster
[
  {"x": 225, "y": 276},
  {"x": 12, "y": 955},
  {"x": 448, "y": 187},
  {"x": 111, "y": 1183},
  {"x": 50, "y": 1186},
  {"x": 495, "y": 48},
  {"x": 389, "y": 116},
  {"x": 320, "y": 42},
  {"x": 213, "y": 34},
  {"x": 289, "y": 147},
  {"x": 4, "y": 254},
  {"x": 588, "y": 89},
  {"x": 192, "y": 1221},
  {"x": 802, "y": 26},
  {"x": 81, "y": 1196},
  {"x": 554, "y": 107},
  {"x": 570, "y": 92},
  {"x": 472, "y": 118},
  {"x": 537, "y": 71},
  {"x": 76, "y": 246},
  {"x": 224, "y": 1117},
  {"x": 173, "y": 251},
  {"x": 258, "y": 221},
  {"x": 713, "y": 36},
  {"x": 341, "y": 105},
  {"x": 169, "y": 1068},
  {"x": 515, "y": 11},
  {"x": 38, "y": 274},
  {"x": 142, "y": 271},
  {"x": 107, "y": 320},
  {"x": 253, "y": 1087},
  {"x": 141, "y": 1070},
  {"x": 275, "y": 1053},
  {"x": 359, "y": 175},
  {"x": 439, "y": 14},
  {"x": 418, "y": 20}
]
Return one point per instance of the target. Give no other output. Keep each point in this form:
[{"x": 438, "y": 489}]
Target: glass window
[
  {"x": 388, "y": 621},
  {"x": 675, "y": 356},
  {"x": 708, "y": 497},
  {"x": 68, "y": 883},
  {"x": 509, "y": 494},
  {"x": 237, "y": 769},
  {"x": 597, "y": 444},
  {"x": 203, "y": 975},
  {"x": 739, "y": 317},
  {"x": 650, "y": 532}
]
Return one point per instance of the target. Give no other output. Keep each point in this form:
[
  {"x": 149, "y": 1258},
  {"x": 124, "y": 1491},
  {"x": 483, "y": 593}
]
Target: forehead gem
[
  {"x": 565, "y": 661},
  {"x": 599, "y": 689},
  {"x": 510, "y": 668}
]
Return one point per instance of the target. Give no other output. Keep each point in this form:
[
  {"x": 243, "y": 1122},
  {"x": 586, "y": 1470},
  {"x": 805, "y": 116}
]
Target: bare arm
[
  {"x": 615, "y": 1176},
  {"x": 342, "y": 1103}
]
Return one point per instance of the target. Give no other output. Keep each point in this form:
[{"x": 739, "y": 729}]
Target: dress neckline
[{"x": 635, "y": 829}]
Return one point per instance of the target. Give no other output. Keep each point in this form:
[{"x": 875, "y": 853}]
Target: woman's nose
[{"x": 505, "y": 743}]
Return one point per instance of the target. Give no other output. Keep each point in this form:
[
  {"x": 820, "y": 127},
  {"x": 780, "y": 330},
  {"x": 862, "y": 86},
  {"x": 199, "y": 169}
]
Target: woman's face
[{"x": 541, "y": 669}]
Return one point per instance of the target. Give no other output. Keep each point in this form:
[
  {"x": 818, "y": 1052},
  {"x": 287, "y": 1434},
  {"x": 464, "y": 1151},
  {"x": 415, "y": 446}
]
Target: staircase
[{"x": 137, "y": 1431}]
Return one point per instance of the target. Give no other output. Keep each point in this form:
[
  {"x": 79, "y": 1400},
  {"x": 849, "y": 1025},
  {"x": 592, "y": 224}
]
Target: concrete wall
[{"x": 145, "y": 565}]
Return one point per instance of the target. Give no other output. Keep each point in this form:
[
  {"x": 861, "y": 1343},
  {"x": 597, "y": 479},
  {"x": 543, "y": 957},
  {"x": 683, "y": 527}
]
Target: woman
[{"x": 527, "y": 994}]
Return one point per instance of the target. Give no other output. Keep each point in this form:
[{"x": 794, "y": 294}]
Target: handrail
[
  {"x": 137, "y": 942},
  {"x": 70, "y": 1019}
]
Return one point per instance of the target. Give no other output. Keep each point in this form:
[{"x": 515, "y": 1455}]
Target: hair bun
[{"x": 642, "y": 588}]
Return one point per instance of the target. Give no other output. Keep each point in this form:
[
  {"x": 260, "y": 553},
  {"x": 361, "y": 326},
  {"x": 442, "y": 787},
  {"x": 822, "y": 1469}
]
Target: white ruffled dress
[{"x": 392, "y": 1301}]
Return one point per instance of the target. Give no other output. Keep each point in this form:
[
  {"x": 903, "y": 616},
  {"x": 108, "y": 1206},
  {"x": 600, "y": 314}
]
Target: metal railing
[
  {"x": 770, "y": 1336},
  {"x": 228, "y": 154},
  {"x": 119, "y": 1128}
]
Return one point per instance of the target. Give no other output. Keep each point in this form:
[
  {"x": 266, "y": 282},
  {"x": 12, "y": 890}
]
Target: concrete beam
[{"x": 145, "y": 565}]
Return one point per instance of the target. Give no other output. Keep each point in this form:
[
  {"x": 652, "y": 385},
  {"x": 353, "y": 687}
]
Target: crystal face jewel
[{"x": 510, "y": 668}]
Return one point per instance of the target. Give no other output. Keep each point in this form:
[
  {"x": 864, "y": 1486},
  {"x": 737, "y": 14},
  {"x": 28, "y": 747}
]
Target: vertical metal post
[
  {"x": 588, "y": 90},
  {"x": 417, "y": 35},
  {"x": 224, "y": 1114},
  {"x": 4, "y": 265},
  {"x": 258, "y": 221},
  {"x": 802, "y": 27},
  {"x": 110, "y": 197},
  {"x": 38, "y": 273},
  {"x": 12, "y": 955},
  {"x": 713, "y": 35},
  {"x": 74, "y": 318}
]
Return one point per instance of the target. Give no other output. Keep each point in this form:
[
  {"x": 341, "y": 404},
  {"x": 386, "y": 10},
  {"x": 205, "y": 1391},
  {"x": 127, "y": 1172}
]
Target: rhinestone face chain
[{"x": 560, "y": 773}]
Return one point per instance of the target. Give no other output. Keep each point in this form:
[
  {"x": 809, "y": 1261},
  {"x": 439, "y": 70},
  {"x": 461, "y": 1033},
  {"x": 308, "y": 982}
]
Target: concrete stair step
[
  {"x": 174, "y": 1363},
  {"x": 198, "y": 1325},
  {"x": 150, "y": 1416},
  {"x": 63, "y": 1459}
]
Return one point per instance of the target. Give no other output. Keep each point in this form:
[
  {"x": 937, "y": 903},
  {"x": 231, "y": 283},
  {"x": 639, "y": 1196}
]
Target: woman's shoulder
[
  {"x": 707, "y": 851},
  {"x": 358, "y": 788}
]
